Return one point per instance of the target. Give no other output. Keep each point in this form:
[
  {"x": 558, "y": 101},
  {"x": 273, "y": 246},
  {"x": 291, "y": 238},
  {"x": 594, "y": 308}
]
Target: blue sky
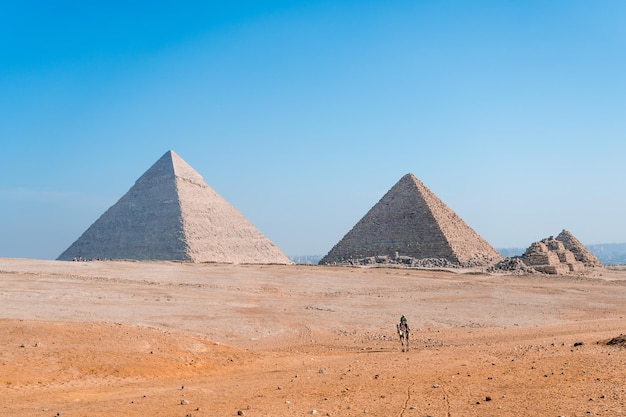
[{"x": 302, "y": 114}]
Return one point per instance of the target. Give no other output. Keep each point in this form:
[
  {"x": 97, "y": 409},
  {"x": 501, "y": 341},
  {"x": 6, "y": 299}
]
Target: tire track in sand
[
  {"x": 445, "y": 397},
  {"x": 407, "y": 399}
]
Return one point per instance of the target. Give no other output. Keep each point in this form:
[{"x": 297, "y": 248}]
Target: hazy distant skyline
[{"x": 303, "y": 114}]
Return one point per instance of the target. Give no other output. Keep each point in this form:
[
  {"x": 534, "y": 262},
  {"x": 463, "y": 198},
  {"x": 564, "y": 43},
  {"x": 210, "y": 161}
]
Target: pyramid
[
  {"x": 581, "y": 253},
  {"x": 410, "y": 221},
  {"x": 550, "y": 256},
  {"x": 171, "y": 213}
]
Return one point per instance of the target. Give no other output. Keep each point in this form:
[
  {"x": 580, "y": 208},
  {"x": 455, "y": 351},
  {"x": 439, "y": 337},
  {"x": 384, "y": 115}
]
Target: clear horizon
[{"x": 303, "y": 114}]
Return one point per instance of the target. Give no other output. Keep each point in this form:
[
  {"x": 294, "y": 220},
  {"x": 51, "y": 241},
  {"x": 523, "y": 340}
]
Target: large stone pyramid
[
  {"x": 172, "y": 214},
  {"x": 411, "y": 222}
]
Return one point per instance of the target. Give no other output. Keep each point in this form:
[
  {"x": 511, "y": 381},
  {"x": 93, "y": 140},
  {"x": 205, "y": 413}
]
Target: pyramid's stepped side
[
  {"x": 145, "y": 224},
  {"x": 581, "y": 253},
  {"x": 232, "y": 238},
  {"x": 467, "y": 246},
  {"x": 550, "y": 256},
  {"x": 411, "y": 221},
  {"x": 172, "y": 214}
]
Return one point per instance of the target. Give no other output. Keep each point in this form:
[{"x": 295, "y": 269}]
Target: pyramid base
[{"x": 410, "y": 262}]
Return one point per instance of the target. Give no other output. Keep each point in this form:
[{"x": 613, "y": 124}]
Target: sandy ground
[{"x": 171, "y": 339}]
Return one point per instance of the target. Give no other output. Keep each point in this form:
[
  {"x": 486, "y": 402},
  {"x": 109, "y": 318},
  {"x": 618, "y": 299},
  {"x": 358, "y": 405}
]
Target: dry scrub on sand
[{"x": 171, "y": 339}]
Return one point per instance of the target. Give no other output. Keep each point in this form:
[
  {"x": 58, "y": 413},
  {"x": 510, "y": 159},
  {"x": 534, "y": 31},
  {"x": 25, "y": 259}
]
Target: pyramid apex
[
  {"x": 171, "y": 165},
  {"x": 169, "y": 154},
  {"x": 410, "y": 177}
]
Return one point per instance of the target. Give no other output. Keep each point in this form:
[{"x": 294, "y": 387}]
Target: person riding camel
[
  {"x": 404, "y": 323},
  {"x": 403, "y": 332}
]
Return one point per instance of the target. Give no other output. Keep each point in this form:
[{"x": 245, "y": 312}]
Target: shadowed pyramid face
[
  {"x": 171, "y": 213},
  {"x": 411, "y": 221}
]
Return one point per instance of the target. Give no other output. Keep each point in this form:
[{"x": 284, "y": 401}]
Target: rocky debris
[
  {"x": 513, "y": 265},
  {"x": 619, "y": 341},
  {"x": 410, "y": 262},
  {"x": 406, "y": 261}
]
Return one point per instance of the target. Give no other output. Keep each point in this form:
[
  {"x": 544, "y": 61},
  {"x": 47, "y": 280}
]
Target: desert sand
[{"x": 176, "y": 339}]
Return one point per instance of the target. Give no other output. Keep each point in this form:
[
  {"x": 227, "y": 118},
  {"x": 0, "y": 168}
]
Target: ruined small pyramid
[
  {"x": 171, "y": 213},
  {"x": 581, "y": 253},
  {"x": 550, "y": 256},
  {"x": 410, "y": 221}
]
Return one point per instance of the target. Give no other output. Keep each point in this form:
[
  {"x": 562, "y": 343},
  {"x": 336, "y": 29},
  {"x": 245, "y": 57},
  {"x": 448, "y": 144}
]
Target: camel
[{"x": 403, "y": 333}]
